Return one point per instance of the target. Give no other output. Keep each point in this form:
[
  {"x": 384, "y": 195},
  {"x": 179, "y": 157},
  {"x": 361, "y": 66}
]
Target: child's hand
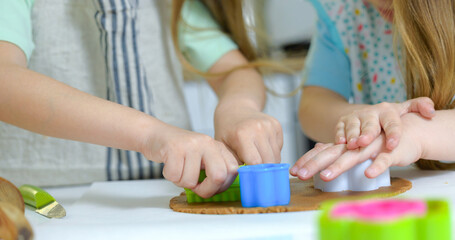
[
  {"x": 361, "y": 127},
  {"x": 184, "y": 153},
  {"x": 253, "y": 136},
  {"x": 333, "y": 160}
]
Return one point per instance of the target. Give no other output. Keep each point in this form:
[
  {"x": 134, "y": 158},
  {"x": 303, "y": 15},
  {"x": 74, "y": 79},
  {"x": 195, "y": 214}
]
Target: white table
[{"x": 140, "y": 210}]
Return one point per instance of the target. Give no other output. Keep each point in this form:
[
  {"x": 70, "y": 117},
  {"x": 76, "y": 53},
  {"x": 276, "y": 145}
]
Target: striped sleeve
[
  {"x": 16, "y": 24},
  {"x": 200, "y": 38}
]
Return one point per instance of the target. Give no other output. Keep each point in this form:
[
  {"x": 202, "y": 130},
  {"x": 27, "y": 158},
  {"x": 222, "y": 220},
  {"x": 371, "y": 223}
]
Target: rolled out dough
[{"x": 304, "y": 197}]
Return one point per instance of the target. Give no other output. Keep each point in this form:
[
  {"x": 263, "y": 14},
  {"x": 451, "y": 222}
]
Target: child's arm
[
  {"x": 255, "y": 137},
  {"x": 43, "y": 105},
  {"x": 421, "y": 138},
  {"x": 252, "y": 135}
]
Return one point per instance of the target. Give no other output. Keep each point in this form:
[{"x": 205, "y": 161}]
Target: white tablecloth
[{"x": 140, "y": 210}]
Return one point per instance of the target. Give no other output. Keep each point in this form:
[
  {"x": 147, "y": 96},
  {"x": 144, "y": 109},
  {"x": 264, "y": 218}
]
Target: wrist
[
  {"x": 413, "y": 125},
  {"x": 147, "y": 132},
  {"x": 236, "y": 103}
]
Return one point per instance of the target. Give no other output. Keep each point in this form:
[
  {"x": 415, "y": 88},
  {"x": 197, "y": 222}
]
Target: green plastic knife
[{"x": 42, "y": 201}]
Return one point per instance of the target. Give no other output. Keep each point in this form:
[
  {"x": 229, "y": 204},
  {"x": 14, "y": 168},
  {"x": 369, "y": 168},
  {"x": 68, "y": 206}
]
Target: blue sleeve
[{"x": 327, "y": 64}]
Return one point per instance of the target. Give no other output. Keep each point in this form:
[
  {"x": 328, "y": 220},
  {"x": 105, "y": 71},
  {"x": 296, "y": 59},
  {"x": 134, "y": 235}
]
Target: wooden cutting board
[{"x": 304, "y": 197}]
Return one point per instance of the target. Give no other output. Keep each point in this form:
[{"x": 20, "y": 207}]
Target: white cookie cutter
[{"x": 353, "y": 180}]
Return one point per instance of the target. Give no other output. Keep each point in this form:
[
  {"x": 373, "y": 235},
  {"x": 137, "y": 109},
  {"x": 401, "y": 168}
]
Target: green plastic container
[
  {"x": 434, "y": 224},
  {"x": 232, "y": 194}
]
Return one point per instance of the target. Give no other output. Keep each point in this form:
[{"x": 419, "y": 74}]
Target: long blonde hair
[
  {"x": 426, "y": 33},
  {"x": 230, "y": 16}
]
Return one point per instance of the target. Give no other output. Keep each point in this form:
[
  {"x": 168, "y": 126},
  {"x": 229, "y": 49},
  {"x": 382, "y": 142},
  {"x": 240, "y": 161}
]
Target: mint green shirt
[
  {"x": 200, "y": 39},
  {"x": 16, "y": 24}
]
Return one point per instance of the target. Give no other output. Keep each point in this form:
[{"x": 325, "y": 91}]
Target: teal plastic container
[{"x": 265, "y": 185}]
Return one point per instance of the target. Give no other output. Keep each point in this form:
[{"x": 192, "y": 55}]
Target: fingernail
[
  {"x": 371, "y": 172},
  {"x": 293, "y": 170},
  {"x": 303, "y": 172},
  {"x": 391, "y": 142},
  {"x": 341, "y": 140},
  {"x": 352, "y": 140},
  {"x": 432, "y": 111},
  {"x": 326, "y": 173}
]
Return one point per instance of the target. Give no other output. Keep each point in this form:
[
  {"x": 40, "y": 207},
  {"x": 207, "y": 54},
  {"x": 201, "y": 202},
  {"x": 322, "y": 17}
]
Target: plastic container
[
  {"x": 232, "y": 194},
  {"x": 265, "y": 185},
  {"x": 354, "y": 180},
  {"x": 385, "y": 219}
]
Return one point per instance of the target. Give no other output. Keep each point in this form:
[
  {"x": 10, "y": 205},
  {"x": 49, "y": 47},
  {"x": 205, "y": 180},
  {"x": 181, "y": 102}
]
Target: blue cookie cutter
[{"x": 265, "y": 185}]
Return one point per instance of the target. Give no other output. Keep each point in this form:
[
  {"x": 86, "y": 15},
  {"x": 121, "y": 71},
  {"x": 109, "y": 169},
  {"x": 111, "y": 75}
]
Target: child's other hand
[
  {"x": 253, "y": 136},
  {"x": 332, "y": 160},
  {"x": 361, "y": 127},
  {"x": 184, "y": 153}
]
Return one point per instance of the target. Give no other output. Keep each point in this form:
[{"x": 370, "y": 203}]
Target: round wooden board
[{"x": 304, "y": 197}]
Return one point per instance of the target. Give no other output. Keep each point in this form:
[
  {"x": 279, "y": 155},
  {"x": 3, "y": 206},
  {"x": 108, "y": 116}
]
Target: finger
[
  {"x": 345, "y": 162},
  {"x": 382, "y": 162},
  {"x": 276, "y": 140},
  {"x": 321, "y": 161},
  {"x": 265, "y": 150},
  {"x": 391, "y": 123},
  {"x": 352, "y": 130},
  {"x": 370, "y": 130},
  {"x": 340, "y": 135},
  {"x": 350, "y": 158},
  {"x": 319, "y": 147},
  {"x": 276, "y": 149},
  {"x": 232, "y": 153},
  {"x": 173, "y": 168},
  {"x": 231, "y": 166},
  {"x": 248, "y": 153},
  {"x": 191, "y": 170},
  {"x": 278, "y": 133},
  {"x": 422, "y": 105},
  {"x": 216, "y": 172}
]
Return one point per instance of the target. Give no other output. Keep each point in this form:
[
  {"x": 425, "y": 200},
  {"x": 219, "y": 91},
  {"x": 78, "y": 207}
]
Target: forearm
[
  {"x": 319, "y": 111},
  {"x": 436, "y": 135},
  {"x": 243, "y": 87},
  {"x": 43, "y": 105},
  {"x": 253, "y": 136}
]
